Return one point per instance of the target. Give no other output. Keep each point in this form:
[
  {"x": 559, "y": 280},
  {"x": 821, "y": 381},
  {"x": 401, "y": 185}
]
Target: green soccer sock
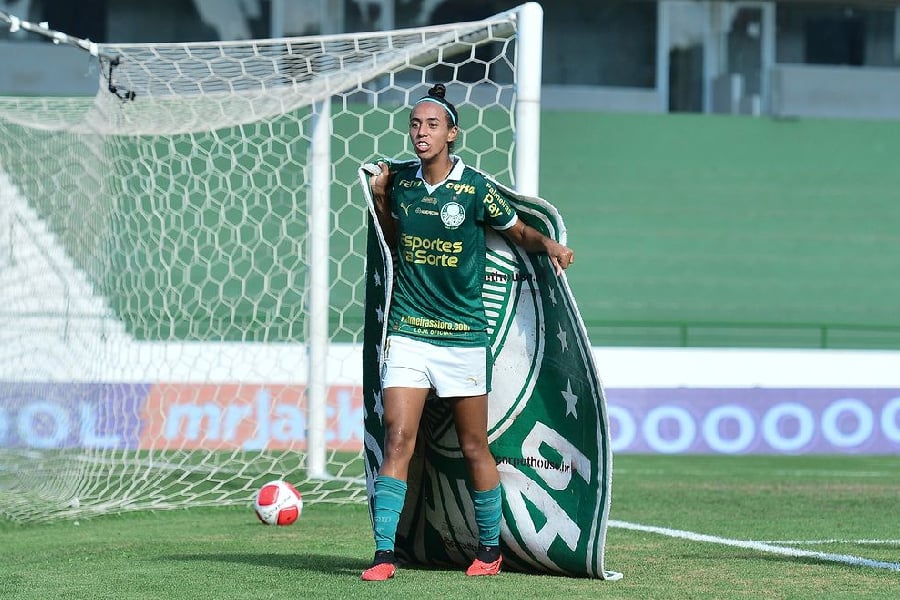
[
  {"x": 487, "y": 516},
  {"x": 389, "y": 496}
]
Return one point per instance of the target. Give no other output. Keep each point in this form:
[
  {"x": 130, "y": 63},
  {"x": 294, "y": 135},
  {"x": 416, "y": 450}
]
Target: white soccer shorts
[{"x": 452, "y": 371}]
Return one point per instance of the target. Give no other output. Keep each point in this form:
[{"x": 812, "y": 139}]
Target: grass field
[{"x": 679, "y": 528}]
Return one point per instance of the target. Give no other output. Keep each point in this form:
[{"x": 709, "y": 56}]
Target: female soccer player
[{"x": 434, "y": 214}]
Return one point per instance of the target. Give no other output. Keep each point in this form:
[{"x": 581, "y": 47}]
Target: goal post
[
  {"x": 528, "y": 98},
  {"x": 319, "y": 300},
  {"x": 182, "y": 256}
]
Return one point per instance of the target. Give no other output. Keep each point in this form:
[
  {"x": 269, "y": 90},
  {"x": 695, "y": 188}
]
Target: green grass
[
  {"x": 224, "y": 553},
  {"x": 705, "y": 230}
]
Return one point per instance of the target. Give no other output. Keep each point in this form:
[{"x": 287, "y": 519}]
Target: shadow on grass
[
  {"x": 317, "y": 563},
  {"x": 326, "y": 564}
]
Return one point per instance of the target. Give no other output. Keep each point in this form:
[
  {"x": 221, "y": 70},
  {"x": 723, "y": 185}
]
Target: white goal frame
[{"x": 63, "y": 316}]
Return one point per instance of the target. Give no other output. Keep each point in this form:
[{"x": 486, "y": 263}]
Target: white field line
[
  {"x": 760, "y": 546},
  {"x": 834, "y": 541}
]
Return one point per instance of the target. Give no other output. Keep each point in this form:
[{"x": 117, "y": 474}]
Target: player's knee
[
  {"x": 399, "y": 444},
  {"x": 475, "y": 449}
]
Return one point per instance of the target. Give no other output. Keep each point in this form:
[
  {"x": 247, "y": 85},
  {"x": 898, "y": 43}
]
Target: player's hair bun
[{"x": 436, "y": 94}]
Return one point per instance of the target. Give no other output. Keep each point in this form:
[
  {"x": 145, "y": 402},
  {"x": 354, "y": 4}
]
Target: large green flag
[{"x": 547, "y": 422}]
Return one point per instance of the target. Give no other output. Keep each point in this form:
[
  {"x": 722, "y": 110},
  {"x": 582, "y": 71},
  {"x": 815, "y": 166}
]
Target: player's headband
[{"x": 440, "y": 102}]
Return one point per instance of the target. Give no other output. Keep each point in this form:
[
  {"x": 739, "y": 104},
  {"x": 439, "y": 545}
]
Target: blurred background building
[{"x": 781, "y": 58}]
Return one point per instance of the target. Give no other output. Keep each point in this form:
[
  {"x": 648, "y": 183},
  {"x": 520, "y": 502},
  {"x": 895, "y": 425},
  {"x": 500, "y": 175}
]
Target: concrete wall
[
  {"x": 828, "y": 91},
  {"x": 43, "y": 69},
  {"x": 605, "y": 99}
]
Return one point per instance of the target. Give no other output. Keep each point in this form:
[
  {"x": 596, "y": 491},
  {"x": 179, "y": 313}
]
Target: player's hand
[
  {"x": 561, "y": 257},
  {"x": 380, "y": 183}
]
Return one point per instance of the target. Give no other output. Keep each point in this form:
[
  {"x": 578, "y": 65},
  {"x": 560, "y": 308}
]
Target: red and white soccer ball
[{"x": 278, "y": 503}]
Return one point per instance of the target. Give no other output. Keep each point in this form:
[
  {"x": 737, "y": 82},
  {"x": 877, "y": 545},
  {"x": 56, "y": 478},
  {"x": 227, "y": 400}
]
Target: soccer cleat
[
  {"x": 479, "y": 567},
  {"x": 382, "y": 567},
  {"x": 381, "y": 572}
]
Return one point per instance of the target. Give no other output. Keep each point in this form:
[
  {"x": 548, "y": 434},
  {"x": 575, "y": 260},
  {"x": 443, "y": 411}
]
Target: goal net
[{"x": 182, "y": 260}]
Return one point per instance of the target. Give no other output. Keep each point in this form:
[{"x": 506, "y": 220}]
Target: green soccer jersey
[{"x": 441, "y": 254}]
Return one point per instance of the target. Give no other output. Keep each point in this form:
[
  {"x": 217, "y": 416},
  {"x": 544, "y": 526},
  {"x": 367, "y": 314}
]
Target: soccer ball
[{"x": 278, "y": 503}]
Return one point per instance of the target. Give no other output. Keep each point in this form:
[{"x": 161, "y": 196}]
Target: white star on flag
[
  {"x": 553, "y": 296},
  {"x": 571, "y": 400},
  {"x": 380, "y": 312},
  {"x": 379, "y": 405},
  {"x": 563, "y": 338}
]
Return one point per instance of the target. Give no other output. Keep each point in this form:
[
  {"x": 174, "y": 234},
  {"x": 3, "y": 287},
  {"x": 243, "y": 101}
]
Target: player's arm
[
  {"x": 380, "y": 184},
  {"x": 523, "y": 235},
  {"x": 533, "y": 241}
]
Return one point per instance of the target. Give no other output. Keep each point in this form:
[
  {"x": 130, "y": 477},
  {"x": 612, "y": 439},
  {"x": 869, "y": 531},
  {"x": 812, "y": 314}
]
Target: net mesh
[{"x": 154, "y": 262}]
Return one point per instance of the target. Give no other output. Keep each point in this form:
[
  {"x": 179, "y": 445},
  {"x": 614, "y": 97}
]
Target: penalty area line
[{"x": 760, "y": 546}]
